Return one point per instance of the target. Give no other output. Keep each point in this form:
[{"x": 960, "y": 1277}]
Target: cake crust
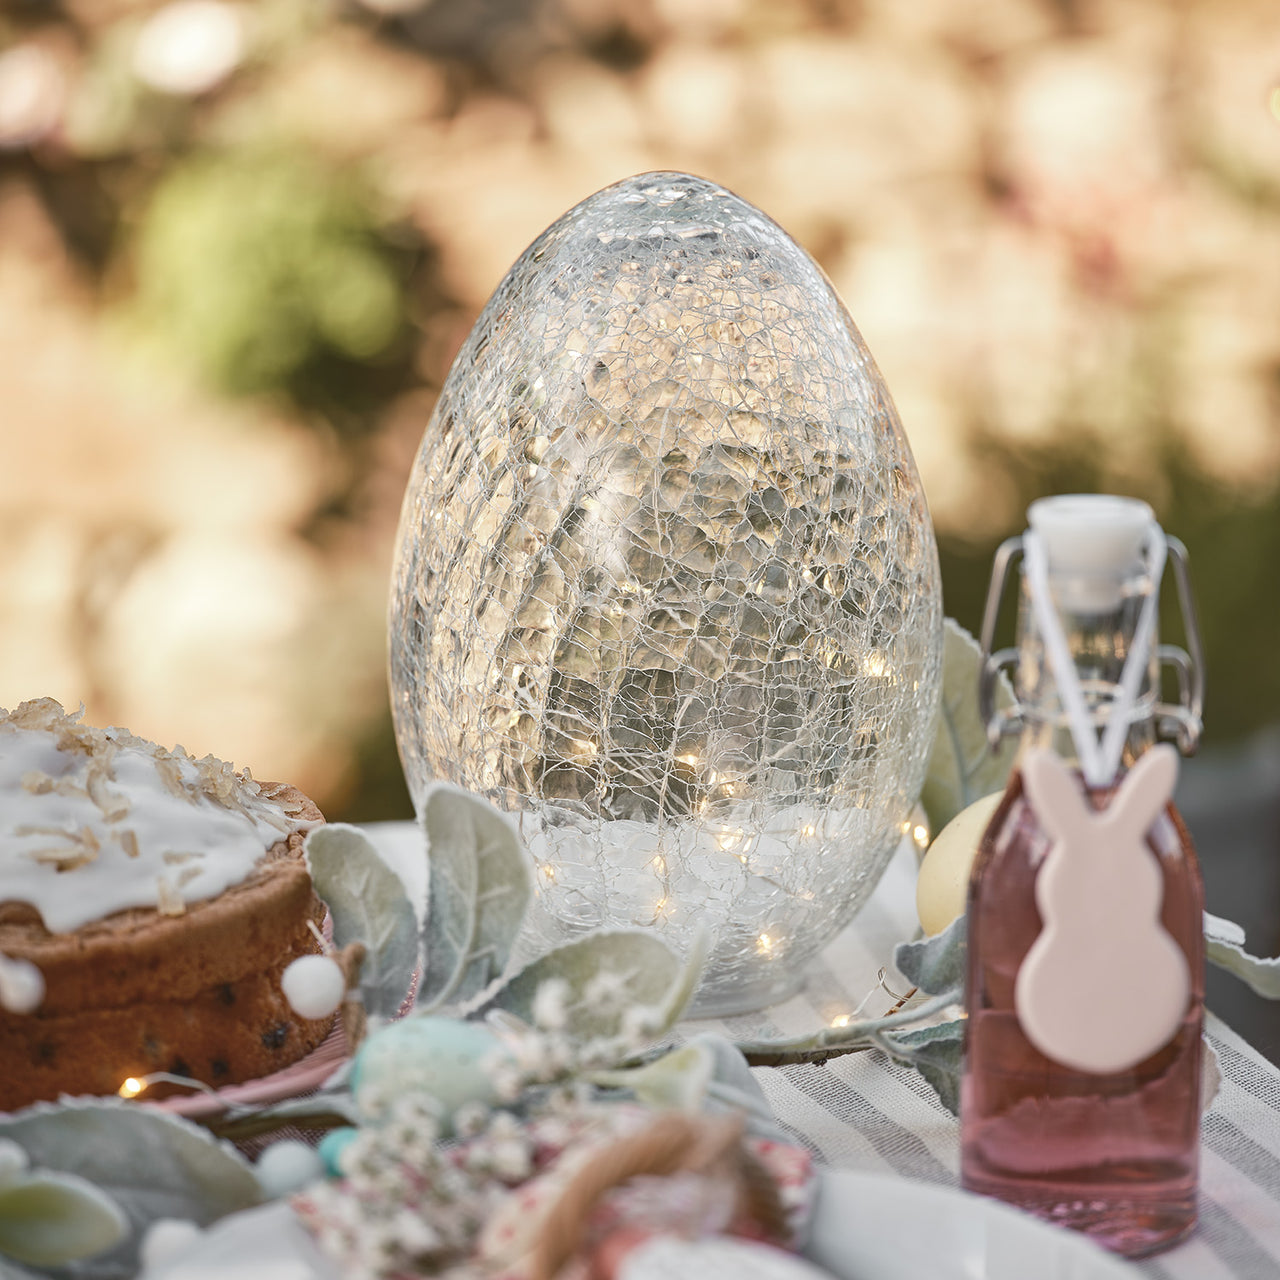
[{"x": 139, "y": 991}]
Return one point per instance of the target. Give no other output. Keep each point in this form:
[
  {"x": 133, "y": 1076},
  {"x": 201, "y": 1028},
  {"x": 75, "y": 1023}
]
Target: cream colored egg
[{"x": 943, "y": 885}]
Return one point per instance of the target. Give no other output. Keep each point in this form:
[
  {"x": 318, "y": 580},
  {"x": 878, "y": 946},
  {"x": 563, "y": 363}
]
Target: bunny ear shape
[
  {"x": 1145, "y": 791},
  {"x": 1054, "y": 793}
]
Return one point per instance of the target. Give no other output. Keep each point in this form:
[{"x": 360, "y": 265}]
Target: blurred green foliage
[
  {"x": 301, "y": 228},
  {"x": 251, "y": 265}
]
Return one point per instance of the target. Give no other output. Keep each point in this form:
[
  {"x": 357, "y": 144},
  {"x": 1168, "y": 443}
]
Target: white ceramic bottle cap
[{"x": 1092, "y": 541}]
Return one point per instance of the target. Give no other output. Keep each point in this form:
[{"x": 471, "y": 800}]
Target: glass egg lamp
[{"x": 666, "y": 588}]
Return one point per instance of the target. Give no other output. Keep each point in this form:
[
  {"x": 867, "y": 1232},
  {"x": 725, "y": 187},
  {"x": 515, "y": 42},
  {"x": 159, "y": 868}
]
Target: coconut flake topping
[{"x": 93, "y": 821}]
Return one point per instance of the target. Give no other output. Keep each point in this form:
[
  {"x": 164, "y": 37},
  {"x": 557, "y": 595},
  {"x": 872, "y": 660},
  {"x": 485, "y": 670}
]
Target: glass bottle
[{"x": 1112, "y": 1155}]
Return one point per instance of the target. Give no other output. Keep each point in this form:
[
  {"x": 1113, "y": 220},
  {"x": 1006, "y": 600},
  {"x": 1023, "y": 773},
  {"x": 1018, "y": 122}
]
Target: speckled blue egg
[{"x": 443, "y": 1057}]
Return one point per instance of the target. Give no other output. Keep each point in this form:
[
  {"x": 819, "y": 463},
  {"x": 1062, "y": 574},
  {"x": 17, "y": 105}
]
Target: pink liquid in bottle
[{"x": 1114, "y": 1156}]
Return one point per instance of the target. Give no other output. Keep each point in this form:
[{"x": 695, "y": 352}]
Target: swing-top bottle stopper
[{"x": 1094, "y": 545}]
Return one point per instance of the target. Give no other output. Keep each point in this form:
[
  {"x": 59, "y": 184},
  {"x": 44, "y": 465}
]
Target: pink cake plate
[{"x": 295, "y": 1080}]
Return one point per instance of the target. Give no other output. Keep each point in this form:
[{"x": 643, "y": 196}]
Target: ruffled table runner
[{"x": 866, "y": 1112}]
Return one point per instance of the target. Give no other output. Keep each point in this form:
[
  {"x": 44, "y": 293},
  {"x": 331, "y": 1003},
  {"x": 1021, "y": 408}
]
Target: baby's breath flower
[
  {"x": 414, "y": 1235},
  {"x": 508, "y": 1083},
  {"x": 606, "y": 991},
  {"x": 511, "y": 1161},
  {"x": 551, "y": 1005},
  {"x": 374, "y": 1101},
  {"x": 470, "y": 1119},
  {"x": 640, "y": 1022},
  {"x": 420, "y": 1109}
]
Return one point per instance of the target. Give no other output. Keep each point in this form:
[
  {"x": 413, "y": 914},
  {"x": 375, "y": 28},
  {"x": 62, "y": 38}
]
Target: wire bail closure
[{"x": 1179, "y": 722}]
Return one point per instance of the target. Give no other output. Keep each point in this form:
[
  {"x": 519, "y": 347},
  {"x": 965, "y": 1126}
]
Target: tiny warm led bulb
[{"x": 131, "y": 1087}]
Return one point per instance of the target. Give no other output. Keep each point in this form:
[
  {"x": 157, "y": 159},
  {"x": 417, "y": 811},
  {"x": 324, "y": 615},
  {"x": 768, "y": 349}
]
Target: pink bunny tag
[{"x": 1104, "y": 986}]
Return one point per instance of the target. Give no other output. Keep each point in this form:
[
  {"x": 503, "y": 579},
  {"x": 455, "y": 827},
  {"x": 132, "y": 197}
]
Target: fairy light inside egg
[{"x": 664, "y": 573}]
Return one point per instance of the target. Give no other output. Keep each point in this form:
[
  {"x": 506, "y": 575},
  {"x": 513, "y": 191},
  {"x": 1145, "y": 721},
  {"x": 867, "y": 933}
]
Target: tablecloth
[{"x": 866, "y": 1112}]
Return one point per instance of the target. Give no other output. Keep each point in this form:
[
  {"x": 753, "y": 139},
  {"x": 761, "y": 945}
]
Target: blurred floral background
[{"x": 240, "y": 243}]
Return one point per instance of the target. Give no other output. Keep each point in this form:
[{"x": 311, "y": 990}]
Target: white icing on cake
[{"x": 94, "y": 821}]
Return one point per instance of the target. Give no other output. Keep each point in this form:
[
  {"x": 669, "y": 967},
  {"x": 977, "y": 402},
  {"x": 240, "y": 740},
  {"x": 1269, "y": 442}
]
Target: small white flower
[
  {"x": 551, "y": 1005},
  {"x": 606, "y": 990},
  {"x": 414, "y": 1234},
  {"x": 374, "y": 1102},
  {"x": 511, "y": 1161},
  {"x": 421, "y": 1110},
  {"x": 640, "y": 1022},
  {"x": 470, "y": 1119},
  {"x": 504, "y": 1126},
  {"x": 359, "y": 1154}
]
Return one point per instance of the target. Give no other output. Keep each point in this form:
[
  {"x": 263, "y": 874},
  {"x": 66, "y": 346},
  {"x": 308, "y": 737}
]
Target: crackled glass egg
[{"x": 666, "y": 586}]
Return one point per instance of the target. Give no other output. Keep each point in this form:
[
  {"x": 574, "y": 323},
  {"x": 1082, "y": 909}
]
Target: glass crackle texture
[{"x": 666, "y": 586}]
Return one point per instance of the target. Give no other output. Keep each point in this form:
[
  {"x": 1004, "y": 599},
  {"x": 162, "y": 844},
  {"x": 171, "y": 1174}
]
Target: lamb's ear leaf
[
  {"x": 48, "y": 1219},
  {"x": 479, "y": 887},
  {"x": 612, "y": 977},
  {"x": 937, "y": 1053},
  {"x": 367, "y": 904},
  {"x": 678, "y": 1080},
  {"x": 152, "y": 1164},
  {"x": 9, "y": 1270},
  {"x": 1263, "y": 976},
  {"x": 962, "y": 766},
  {"x": 936, "y": 964}
]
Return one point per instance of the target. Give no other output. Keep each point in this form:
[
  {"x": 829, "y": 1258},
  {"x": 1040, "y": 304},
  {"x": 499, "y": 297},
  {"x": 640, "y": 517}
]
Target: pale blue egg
[{"x": 443, "y": 1057}]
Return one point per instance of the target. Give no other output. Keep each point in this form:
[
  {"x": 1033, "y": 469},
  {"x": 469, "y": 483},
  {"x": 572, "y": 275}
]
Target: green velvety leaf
[
  {"x": 732, "y": 1087},
  {"x": 936, "y": 964},
  {"x": 478, "y": 891},
  {"x": 51, "y": 1218},
  {"x": 9, "y": 1270},
  {"x": 1218, "y": 927},
  {"x": 153, "y": 1165},
  {"x": 962, "y": 768},
  {"x": 608, "y": 974},
  {"x": 368, "y": 904},
  {"x": 937, "y": 1053},
  {"x": 682, "y": 989},
  {"x": 677, "y": 1080},
  {"x": 1222, "y": 949}
]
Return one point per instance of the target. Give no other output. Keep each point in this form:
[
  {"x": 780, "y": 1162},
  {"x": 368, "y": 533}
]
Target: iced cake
[{"x": 159, "y": 896}]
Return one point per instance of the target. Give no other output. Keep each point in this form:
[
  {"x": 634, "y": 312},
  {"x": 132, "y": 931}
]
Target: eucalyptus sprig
[{"x": 935, "y": 966}]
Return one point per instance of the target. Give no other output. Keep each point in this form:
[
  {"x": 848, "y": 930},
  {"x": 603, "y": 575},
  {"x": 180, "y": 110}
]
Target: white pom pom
[
  {"x": 314, "y": 986},
  {"x": 165, "y": 1239},
  {"x": 21, "y": 985},
  {"x": 285, "y": 1167},
  {"x": 13, "y": 1160}
]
